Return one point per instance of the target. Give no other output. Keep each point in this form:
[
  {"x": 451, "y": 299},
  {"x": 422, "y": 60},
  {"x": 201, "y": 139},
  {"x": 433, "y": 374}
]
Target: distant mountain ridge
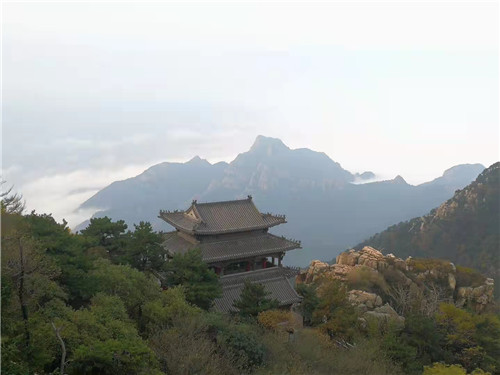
[
  {"x": 465, "y": 229},
  {"x": 324, "y": 206}
]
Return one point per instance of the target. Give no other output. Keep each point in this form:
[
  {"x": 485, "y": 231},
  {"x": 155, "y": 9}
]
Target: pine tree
[{"x": 253, "y": 300}]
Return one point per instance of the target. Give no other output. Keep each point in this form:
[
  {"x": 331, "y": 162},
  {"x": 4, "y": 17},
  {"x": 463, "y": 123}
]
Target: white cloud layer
[{"x": 61, "y": 194}]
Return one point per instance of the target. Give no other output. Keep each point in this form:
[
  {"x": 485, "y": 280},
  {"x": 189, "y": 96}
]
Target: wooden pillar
[{"x": 264, "y": 264}]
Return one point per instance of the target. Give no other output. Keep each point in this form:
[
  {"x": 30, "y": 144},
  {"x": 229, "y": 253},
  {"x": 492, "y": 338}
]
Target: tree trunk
[
  {"x": 22, "y": 301},
  {"x": 63, "y": 347}
]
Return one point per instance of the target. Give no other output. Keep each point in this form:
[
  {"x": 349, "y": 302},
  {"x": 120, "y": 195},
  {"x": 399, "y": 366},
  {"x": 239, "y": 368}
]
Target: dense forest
[{"x": 93, "y": 303}]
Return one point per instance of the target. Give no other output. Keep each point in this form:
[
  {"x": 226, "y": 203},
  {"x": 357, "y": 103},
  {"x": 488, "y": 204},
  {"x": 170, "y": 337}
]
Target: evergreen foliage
[
  {"x": 88, "y": 303},
  {"x": 335, "y": 315},
  {"x": 310, "y": 301},
  {"x": 108, "y": 235},
  {"x": 12, "y": 203},
  {"x": 144, "y": 250},
  {"x": 200, "y": 283},
  {"x": 253, "y": 300}
]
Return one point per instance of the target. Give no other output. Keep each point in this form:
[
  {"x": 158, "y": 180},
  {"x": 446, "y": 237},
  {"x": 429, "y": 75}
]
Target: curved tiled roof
[
  {"x": 222, "y": 217},
  {"x": 243, "y": 246},
  {"x": 179, "y": 220},
  {"x": 275, "y": 282}
]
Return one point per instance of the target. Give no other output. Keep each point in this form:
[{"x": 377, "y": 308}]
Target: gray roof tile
[
  {"x": 241, "y": 247},
  {"x": 222, "y": 217},
  {"x": 275, "y": 281}
]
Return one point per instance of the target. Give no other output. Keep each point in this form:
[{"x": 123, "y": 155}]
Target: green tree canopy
[
  {"x": 111, "y": 236},
  {"x": 171, "y": 307},
  {"x": 310, "y": 301},
  {"x": 144, "y": 250},
  {"x": 102, "y": 340},
  {"x": 253, "y": 300},
  {"x": 335, "y": 313},
  {"x": 133, "y": 287},
  {"x": 189, "y": 270},
  {"x": 12, "y": 203}
]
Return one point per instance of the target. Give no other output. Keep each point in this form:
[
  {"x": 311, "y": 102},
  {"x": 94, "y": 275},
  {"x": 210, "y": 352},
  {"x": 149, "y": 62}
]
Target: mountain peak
[
  {"x": 399, "y": 180},
  {"x": 462, "y": 174},
  {"x": 464, "y": 169},
  {"x": 196, "y": 160},
  {"x": 268, "y": 145}
]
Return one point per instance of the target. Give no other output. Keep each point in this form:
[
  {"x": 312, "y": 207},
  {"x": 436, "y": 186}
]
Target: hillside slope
[{"x": 464, "y": 229}]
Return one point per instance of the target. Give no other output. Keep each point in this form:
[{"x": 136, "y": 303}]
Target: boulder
[
  {"x": 362, "y": 308},
  {"x": 315, "y": 269},
  {"x": 372, "y": 258},
  {"x": 386, "y": 313},
  {"x": 386, "y": 309},
  {"x": 476, "y": 298},
  {"x": 339, "y": 272},
  {"x": 452, "y": 282},
  {"x": 360, "y": 297},
  {"x": 349, "y": 258},
  {"x": 400, "y": 264}
]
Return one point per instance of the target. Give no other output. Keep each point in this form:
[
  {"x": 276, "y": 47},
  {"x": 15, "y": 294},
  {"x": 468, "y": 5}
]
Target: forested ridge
[
  {"x": 465, "y": 229},
  {"x": 92, "y": 303}
]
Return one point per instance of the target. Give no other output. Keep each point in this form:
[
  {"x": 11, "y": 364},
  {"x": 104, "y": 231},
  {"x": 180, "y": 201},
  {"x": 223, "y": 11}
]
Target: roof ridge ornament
[
  {"x": 249, "y": 197},
  {"x": 194, "y": 201}
]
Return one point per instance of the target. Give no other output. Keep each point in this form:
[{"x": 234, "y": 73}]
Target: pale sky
[{"x": 95, "y": 92}]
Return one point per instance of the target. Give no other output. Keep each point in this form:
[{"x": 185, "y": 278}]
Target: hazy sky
[{"x": 97, "y": 92}]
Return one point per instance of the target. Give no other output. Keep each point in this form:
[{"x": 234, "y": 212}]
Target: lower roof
[{"x": 275, "y": 281}]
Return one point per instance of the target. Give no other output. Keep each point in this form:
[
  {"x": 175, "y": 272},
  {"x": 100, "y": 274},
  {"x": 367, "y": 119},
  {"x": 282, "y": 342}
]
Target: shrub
[
  {"x": 275, "y": 319},
  {"x": 428, "y": 264},
  {"x": 243, "y": 343},
  {"x": 365, "y": 278},
  {"x": 238, "y": 341},
  {"x": 466, "y": 276},
  {"x": 187, "y": 348},
  {"x": 310, "y": 301},
  {"x": 442, "y": 369}
]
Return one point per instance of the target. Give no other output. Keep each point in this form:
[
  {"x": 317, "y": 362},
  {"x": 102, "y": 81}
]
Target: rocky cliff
[{"x": 385, "y": 286}]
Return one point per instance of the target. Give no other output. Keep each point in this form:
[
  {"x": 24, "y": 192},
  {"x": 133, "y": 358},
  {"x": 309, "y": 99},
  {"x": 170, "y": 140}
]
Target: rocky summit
[{"x": 387, "y": 287}]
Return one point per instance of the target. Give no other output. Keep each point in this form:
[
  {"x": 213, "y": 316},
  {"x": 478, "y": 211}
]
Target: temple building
[{"x": 235, "y": 242}]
